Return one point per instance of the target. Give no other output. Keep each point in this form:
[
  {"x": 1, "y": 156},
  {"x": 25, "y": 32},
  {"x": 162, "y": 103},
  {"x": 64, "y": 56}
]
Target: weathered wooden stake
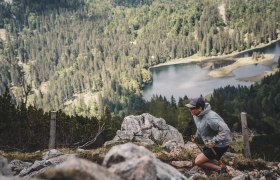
[
  {"x": 52, "y": 130},
  {"x": 245, "y": 133}
]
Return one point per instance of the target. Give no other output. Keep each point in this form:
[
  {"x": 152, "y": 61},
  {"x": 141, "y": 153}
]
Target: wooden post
[
  {"x": 247, "y": 152},
  {"x": 52, "y": 130}
]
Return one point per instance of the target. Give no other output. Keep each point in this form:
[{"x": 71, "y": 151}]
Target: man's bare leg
[{"x": 202, "y": 161}]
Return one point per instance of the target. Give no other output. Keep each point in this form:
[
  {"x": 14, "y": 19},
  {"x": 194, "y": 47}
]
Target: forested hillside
[
  {"x": 261, "y": 102},
  {"x": 86, "y": 56}
]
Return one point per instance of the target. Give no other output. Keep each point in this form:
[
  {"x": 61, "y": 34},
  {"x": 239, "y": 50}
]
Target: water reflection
[{"x": 192, "y": 80}]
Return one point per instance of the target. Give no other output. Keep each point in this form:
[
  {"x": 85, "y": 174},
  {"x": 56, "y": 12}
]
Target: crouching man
[{"x": 213, "y": 131}]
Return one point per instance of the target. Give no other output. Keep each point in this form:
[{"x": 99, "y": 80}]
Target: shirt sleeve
[{"x": 221, "y": 127}]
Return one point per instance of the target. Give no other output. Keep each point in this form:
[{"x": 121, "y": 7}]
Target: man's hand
[
  {"x": 193, "y": 138},
  {"x": 209, "y": 143}
]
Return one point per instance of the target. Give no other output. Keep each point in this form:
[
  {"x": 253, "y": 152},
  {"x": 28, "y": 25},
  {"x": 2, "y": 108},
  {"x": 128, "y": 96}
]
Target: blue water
[{"x": 191, "y": 80}]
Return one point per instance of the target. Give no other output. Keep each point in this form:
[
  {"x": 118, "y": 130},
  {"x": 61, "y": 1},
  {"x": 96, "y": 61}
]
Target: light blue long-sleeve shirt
[{"x": 210, "y": 126}]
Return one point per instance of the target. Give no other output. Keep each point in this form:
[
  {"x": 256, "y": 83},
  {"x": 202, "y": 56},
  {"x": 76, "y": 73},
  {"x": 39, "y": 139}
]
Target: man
[{"x": 213, "y": 131}]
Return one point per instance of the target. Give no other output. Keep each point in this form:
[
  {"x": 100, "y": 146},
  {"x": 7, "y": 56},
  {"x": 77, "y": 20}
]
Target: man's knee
[{"x": 198, "y": 161}]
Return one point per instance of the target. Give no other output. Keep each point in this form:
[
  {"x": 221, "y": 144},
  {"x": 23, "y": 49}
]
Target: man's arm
[{"x": 219, "y": 126}]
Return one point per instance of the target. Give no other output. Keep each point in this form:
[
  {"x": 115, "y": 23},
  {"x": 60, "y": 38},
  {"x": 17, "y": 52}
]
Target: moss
[{"x": 156, "y": 148}]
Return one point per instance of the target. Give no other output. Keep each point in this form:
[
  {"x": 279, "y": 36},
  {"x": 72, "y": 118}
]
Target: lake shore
[
  {"x": 227, "y": 70},
  {"x": 197, "y": 59}
]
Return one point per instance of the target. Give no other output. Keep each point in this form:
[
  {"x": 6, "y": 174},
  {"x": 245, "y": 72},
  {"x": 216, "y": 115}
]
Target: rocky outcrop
[
  {"x": 77, "y": 169},
  {"x": 130, "y": 161},
  {"x": 18, "y": 165},
  {"x": 127, "y": 161},
  {"x": 147, "y": 130},
  {"x": 50, "y": 159}
]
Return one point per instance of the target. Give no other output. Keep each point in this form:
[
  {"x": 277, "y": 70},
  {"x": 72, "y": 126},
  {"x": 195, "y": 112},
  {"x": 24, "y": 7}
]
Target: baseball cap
[{"x": 196, "y": 102}]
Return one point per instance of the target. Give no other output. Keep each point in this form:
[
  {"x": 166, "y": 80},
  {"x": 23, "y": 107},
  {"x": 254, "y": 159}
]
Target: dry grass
[
  {"x": 23, "y": 156},
  {"x": 95, "y": 155}
]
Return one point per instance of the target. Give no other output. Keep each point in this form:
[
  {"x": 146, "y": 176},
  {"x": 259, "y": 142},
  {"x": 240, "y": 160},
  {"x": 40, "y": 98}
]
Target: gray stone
[
  {"x": 51, "y": 153},
  {"x": 170, "y": 145},
  {"x": 242, "y": 177},
  {"x": 124, "y": 158},
  {"x": 159, "y": 123},
  {"x": 41, "y": 166},
  {"x": 5, "y": 170},
  {"x": 12, "y": 178},
  {"x": 157, "y": 135},
  {"x": 125, "y": 135},
  {"x": 141, "y": 168},
  {"x": 181, "y": 164},
  {"x": 76, "y": 169},
  {"x": 165, "y": 171},
  {"x": 131, "y": 124},
  {"x": 172, "y": 134},
  {"x": 18, "y": 165},
  {"x": 147, "y": 129},
  {"x": 192, "y": 148}
]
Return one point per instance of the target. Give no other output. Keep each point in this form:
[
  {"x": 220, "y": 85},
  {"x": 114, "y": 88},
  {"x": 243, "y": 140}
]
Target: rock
[
  {"x": 51, "y": 153},
  {"x": 147, "y": 130},
  {"x": 255, "y": 173},
  {"x": 76, "y": 169},
  {"x": 195, "y": 170},
  {"x": 268, "y": 174},
  {"x": 124, "y": 159},
  {"x": 142, "y": 168},
  {"x": 157, "y": 122},
  {"x": 176, "y": 153},
  {"x": 181, "y": 164},
  {"x": 234, "y": 172},
  {"x": 5, "y": 170},
  {"x": 18, "y": 165},
  {"x": 13, "y": 178},
  {"x": 41, "y": 166},
  {"x": 79, "y": 150},
  {"x": 171, "y": 145},
  {"x": 192, "y": 148},
  {"x": 242, "y": 177}
]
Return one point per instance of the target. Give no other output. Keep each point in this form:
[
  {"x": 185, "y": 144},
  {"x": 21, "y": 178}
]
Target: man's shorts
[{"x": 219, "y": 150}]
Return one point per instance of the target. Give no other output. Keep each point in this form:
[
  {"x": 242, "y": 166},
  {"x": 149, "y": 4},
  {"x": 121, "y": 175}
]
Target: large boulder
[
  {"x": 147, "y": 130},
  {"x": 5, "y": 170},
  {"x": 76, "y": 169},
  {"x": 130, "y": 161}
]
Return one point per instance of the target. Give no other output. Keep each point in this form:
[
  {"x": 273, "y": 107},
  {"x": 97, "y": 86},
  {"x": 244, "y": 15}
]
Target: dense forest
[
  {"x": 83, "y": 56},
  {"x": 260, "y": 102},
  {"x": 90, "y": 61}
]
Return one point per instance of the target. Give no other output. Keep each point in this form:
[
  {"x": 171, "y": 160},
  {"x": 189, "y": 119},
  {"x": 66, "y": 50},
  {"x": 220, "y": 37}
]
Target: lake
[{"x": 192, "y": 80}]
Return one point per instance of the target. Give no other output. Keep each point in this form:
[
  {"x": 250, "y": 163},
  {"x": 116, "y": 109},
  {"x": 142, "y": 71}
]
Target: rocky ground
[{"x": 145, "y": 148}]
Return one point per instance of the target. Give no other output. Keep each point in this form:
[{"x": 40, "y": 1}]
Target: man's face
[{"x": 195, "y": 110}]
